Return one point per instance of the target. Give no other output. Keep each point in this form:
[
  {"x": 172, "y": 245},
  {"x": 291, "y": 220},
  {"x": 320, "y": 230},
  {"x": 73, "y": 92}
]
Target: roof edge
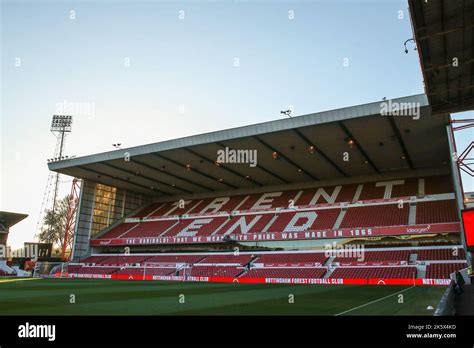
[{"x": 322, "y": 117}]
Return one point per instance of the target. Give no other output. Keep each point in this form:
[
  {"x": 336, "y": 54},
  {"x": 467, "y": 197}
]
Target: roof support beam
[
  {"x": 359, "y": 147},
  {"x": 445, "y": 49},
  {"x": 443, "y": 32},
  {"x": 318, "y": 150},
  {"x": 261, "y": 167},
  {"x": 285, "y": 158},
  {"x": 450, "y": 65},
  {"x": 122, "y": 180},
  {"x": 453, "y": 105},
  {"x": 194, "y": 170},
  {"x": 145, "y": 177},
  {"x": 222, "y": 166},
  {"x": 455, "y": 89},
  {"x": 170, "y": 175},
  {"x": 400, "y": 141}
]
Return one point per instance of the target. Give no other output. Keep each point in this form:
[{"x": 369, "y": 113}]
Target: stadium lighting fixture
[
  {"x": 286, "y": 113},
  {"x": 247, "y": 177},
  {"x": 299, "y": 170},
  {"x": 407, "y": 41},
  {"x": 188, "y": 167},
  {"x": 349, "y": 141},
  {"x": 311, "y": 149},
  {"x": 220, "y": 180},
  {"x": 117, "y": 145},
  {"x": 61, "y": 123},
  {"x": 275, "y": 155}
]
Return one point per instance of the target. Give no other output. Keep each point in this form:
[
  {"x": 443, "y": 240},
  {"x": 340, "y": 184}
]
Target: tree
[{"x": 54, "y": 223}]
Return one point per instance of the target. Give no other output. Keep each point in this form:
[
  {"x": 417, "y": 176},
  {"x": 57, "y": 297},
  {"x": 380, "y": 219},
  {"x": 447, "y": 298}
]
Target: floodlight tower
[{"x": 60, "y": 127}]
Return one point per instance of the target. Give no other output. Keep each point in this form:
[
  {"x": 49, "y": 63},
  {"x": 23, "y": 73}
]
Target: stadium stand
[
  {"x": 443, "y": 270},
  {"x": 315, "y": 196},
  {"x": 375, "y": 207},
  {"x": 401, "y": 203},
  {"x": 438, "y": 185},
  {"x": 379, "y": 263},
  {"x": 454, "y": 253},
  {"x": 376, "y": 257},
  {"x": 120, "y": 230},
  {"x": 292, "y": 260},
  {"x": 94, "y": 259},
  {"x": 96, "y": 270},
  {"x": 376, "y": 215},
  {"x": 436, "y": 212},
  {"x": 374, "y": 272},
  {"x": 140, "y": 271},
  {"x": 230, "y": 259},
  {"x": 122, "y": 260},
  {"x": 149, "y": 229},
  {"x": 176, "y": 259},
  {"x": 282, "y": 272},
  {"x": 215, "y": 271}
]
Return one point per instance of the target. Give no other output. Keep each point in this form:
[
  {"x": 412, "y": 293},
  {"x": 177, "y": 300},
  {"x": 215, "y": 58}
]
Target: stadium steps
[
  {"x": 420, "y": 271},
  {"x": 413, "y": 258},
  {"x": 412, "y": 214},
  {"x": 329, "y": 272},
  {"x": 129, "y": 230},
  {"x": 270, "y": 223},
  {"x": 220, "y": 227},
  {"x": 168, "y": 229},
  {"x": 250, "y": 263},
  {"x": 242, "y": 273},
  {"x": 421, "y": 188},
  {"x": 339, "y": 219},
  {"x": 329, "y": 261}
]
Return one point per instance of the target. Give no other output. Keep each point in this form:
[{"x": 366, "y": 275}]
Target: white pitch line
[{"x": 369, "y": 303}]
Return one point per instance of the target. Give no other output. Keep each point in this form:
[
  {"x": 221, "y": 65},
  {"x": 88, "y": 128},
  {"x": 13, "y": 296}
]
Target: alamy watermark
[
  {"x": 393, "y": 108},
  {"x": 76, "y": 108},
  {"x": 345, "y": 250},
  {"x": 28, "y": 251},
  {"x": 228, "y": 155}
]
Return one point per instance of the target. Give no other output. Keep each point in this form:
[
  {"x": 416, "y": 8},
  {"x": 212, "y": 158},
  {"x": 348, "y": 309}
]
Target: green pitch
[{"x": 120, "y": 297}]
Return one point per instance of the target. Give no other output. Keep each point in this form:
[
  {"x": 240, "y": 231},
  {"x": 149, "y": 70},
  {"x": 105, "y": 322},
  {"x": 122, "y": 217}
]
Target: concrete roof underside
[
  {"x": 381, "y": 144},
  {"x": 444, "y": 33}
]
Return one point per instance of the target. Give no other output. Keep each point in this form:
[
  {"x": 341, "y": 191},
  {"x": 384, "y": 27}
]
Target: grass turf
[{"x": 121, "y": 297}]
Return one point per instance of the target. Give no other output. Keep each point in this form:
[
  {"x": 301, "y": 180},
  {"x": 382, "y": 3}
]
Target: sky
[{"x": 147, "y": 71}]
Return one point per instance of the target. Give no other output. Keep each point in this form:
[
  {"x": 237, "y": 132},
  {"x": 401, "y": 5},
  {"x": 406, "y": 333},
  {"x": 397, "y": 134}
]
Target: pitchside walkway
[{"x": 465, "y": 302}]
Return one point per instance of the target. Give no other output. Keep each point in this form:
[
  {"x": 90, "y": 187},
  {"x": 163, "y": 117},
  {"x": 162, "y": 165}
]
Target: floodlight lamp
[{"x": 61, "y": 123}]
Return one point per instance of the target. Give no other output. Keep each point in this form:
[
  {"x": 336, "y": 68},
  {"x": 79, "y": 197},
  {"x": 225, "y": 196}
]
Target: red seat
[
  {"x": 443, "y": 270},
  {"x": 374, "y": 272}
]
